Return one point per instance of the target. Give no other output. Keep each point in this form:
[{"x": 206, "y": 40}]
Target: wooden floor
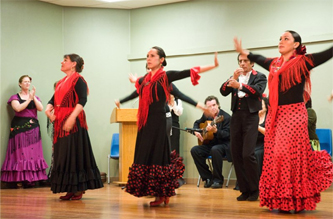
[{"x": 112, "y": 202}]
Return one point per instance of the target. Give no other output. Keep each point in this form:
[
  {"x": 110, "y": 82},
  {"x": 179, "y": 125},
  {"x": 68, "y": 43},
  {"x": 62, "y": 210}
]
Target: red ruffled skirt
[
  {"x": 155, "y": 180},
  {"x": 293, "y": 175}
]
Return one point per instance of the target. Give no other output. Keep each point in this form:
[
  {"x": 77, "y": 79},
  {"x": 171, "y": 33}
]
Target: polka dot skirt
[
  {"x": 155, "y": 180},
  {"x": 293, "y": 175}
]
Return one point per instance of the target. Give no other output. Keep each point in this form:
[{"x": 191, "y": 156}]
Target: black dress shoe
[
  {"x": 236, "y": 186},
  {"x": 253, "y": 196},
  {"x": 217, "y": 185},
  {"x": 243, "y": 197},
  {"x": 208, "y": 183}
]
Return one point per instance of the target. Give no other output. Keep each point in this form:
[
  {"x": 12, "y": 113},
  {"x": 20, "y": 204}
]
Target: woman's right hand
[
  {"x": 205, "y": 110},
  {"x": 132, "y": 77}
]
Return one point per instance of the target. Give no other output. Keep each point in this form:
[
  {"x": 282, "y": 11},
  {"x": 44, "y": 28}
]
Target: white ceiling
[{"x": 119, "y": 4}]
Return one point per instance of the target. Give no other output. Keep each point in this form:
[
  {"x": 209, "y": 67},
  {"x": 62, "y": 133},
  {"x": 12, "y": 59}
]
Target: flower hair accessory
[{"x": 301, "y": 50}]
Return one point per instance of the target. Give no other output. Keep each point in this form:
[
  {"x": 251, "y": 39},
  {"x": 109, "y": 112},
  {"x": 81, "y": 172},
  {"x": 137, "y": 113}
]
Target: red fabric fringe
[
  {"x": 291, "y": 74},
  {"x": 64, "y": 105},
  {"x": 145, "y": 90}
]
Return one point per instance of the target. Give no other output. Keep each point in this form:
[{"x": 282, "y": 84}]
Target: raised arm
[
  {"x": 176, "y": 92},
  {"x": 210, "y": 67},
  {"x": 133, "y": 95},
  {"x": 320, "y": 57},
  {"x": 38, "y": 103},
  {"x": 239, "y": 48},
  {"x": 193, "y": 72},
  {"x": 260, "y": 60}
]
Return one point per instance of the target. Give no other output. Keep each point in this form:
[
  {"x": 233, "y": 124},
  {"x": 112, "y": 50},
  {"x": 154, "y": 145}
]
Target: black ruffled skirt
[{"x": 74, "y": 168}]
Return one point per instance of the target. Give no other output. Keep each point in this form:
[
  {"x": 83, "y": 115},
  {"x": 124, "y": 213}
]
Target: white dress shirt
[{"x": 243, "y": 79}]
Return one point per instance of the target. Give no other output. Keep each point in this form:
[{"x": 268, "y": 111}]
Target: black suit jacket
[
  {"x": 253, "y": 89},
  {"x": 222, "y": 136}
]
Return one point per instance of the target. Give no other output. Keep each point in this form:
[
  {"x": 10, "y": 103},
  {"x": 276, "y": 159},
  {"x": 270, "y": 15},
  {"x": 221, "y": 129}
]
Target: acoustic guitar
[{"x": 208, "y": 135}]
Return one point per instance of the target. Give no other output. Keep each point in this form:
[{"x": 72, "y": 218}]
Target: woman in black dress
[
  {"x": 74, "y": 168},
  {"x": 152, "y": 172}
]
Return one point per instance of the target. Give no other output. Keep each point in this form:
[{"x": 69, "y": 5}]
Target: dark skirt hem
[{"x": 155, "y": 180}]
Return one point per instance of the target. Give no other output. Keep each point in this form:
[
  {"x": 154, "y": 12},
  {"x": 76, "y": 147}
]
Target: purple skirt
[{"x": 24, "y": 159}]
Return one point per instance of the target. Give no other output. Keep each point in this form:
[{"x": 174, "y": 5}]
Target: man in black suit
[
  {"x": 246, "y": 87},
  {"x": 218, "y": 146}
]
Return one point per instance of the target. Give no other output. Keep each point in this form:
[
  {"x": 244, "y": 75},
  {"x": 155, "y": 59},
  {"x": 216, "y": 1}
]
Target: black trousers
[
  {"x": 175, "y": 138},
  {"x": 259, "y": 152},
  {"x": 168, "y": 130},
  {"x": 243, "y": 137},
  {"x": 200, "y": 154}
]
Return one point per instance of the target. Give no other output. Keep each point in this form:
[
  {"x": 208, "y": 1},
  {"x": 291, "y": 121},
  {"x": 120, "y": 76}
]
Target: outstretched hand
[
  {"x": 239, "y": 48},
  {"x": 117, "y": 103},
  {"x": 330, "y": 98},
  {"x": 132, "y": 77},
  {"x": 216, "y": 61}
]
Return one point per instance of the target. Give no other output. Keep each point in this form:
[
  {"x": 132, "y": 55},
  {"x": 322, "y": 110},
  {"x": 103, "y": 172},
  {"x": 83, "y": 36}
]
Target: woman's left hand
[
  {"x": 32, "y": 93},
  {"x": 216, "y": 61},
  {"x": 52, "y": 117},
  {"x": 330, "y": 98},
  {"x": 239, "y": 48},
  {"x": 68, "y": 124}
]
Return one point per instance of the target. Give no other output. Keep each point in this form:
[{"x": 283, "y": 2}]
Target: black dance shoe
[{"x": 243, "y": 197}]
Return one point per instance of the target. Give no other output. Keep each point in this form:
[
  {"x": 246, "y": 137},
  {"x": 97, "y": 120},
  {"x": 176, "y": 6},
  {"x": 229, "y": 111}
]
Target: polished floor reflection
[{"x": 112, "y": 202}]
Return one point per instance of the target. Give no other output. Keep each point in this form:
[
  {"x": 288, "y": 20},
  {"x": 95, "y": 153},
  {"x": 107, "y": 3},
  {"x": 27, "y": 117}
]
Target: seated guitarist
[{"x": 217, "y": 145}]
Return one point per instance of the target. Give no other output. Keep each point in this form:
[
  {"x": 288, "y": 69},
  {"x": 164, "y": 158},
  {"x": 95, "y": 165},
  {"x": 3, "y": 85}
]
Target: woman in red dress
[{"x": 293, "y": 175}]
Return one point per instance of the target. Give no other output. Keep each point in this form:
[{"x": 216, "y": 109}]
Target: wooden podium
[{"x": 127, "y": 138}]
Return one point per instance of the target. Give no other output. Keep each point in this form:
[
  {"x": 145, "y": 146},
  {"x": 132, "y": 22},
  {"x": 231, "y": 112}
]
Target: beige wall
[{"x": 35, "y": 35}]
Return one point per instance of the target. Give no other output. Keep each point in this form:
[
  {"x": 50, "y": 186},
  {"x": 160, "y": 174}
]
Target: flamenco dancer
[
  {"x": 152, "y": 172},
  {"x": 293, "y": 175}
]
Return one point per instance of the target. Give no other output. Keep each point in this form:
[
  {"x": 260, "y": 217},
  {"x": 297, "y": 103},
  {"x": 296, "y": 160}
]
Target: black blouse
[{"x": 295, "y": 93}]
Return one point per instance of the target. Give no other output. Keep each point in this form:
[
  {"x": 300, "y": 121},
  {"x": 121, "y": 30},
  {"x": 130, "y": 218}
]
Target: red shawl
[
  {"x": 145, "y": 93},
  {"x": 64, "y": 104},
  {"x": 291, "y": 74}
]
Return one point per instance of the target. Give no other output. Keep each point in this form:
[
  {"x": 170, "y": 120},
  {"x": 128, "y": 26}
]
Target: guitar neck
[{"x": 213, "y": 122}]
